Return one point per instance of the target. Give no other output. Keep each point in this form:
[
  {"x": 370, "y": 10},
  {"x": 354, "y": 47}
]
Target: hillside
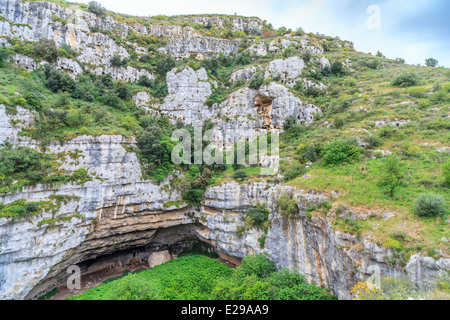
[{"x": 90, "y": 98}]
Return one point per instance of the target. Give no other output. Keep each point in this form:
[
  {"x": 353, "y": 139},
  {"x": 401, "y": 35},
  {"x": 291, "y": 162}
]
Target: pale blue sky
[{"x": 410, "y": 29}]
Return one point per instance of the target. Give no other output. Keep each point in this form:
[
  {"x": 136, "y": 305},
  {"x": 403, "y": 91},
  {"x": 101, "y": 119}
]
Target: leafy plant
[
  {"x": 339, "y": 152},
  {"x": 288, "y": 206},
  {"x": 406, "y": 80}
]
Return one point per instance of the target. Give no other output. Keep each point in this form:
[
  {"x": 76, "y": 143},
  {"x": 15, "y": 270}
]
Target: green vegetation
[
  {"x": 197, "y": 277},
  {"x": 406, "y": 80},
  {"x": 97, "y": 9},
  {"x": 430, "y": 205},
  {"x": 379, "y": 143},
  {"x": 340, "y": 152},
  {"x": 288, "y": 206},
  {"x": 401, "y": 289},
  {"x": 393, "y": 176},
  {"x": 240, "y": 175},
  {"x": 24, "y": 209}
]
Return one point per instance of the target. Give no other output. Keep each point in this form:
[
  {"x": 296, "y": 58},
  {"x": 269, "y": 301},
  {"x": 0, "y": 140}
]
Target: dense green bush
[
  {"x": 337, "y": 68},
  {"x": 288, "y": 206},
  {"x": 57, "y": 80},
  {"x": 292, "y": 129},
  {"x": 406, "y": 80},
  {"x": 240, "y": 174},
  {"x": 257, "y": 279},
  {"x": 393, "y": 175},
  {"x": 339, "y": 152},
  {"x": 24, "y": 166},
  {"x": 145, "y": 81},
  {"x": 299, "y": 86},
  {"x": 117, "y": 61},
  {"x": 197, "y": 277},
  {"x": 372, "y": 141},
  {"x": 133, "y": 287},
  {"x": 257, "y": 215},
  {"x": 313, "y": 92},
  {"x": 430, "y": 205},
  {"x": 257, "y": 265},
  {"x": 290, "y": 285},
  {"x": 293, "y": 172},
  {"x": 371, "y": 63},
  {"x": 312, "y": 152},
  {"x": 46, "y": 49},
  {"x": 256, "y": 81},
  {"x": 165, "y": 64}
]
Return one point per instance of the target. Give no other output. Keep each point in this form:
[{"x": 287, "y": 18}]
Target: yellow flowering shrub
[{"x": 366, "y": 291}]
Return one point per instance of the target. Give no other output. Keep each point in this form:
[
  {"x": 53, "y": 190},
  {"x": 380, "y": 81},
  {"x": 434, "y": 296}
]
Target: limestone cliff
[{"x": 118, "y": 218}]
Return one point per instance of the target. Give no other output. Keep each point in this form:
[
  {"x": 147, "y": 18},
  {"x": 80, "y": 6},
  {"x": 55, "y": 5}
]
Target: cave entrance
[{"x": 263, "y": 105}]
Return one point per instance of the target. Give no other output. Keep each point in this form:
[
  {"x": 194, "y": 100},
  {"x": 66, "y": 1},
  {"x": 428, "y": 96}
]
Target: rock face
[
  {"x": 247, "y": 113},
  {"x": 288, "y": 69},
  {"x": 188, "y": 92},
  {"x": 118, "y": 218},
  {"x": 104, "y": 221},
  {"x": 311, "y": 246},
  {"x": 158, "y": 258}
]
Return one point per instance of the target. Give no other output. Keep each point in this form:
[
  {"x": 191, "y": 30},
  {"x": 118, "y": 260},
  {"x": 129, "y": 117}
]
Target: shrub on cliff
[
  {"x": 165, "y": 64},
  {"x": 117, "y": 61},
  {"x": 46, "y": 49},
  {"x": 288, "y": 206},
  {"x": 257, "y": 216},
  {"x": 145, "y": 81},
  {"x": 97, "y": 9}
]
